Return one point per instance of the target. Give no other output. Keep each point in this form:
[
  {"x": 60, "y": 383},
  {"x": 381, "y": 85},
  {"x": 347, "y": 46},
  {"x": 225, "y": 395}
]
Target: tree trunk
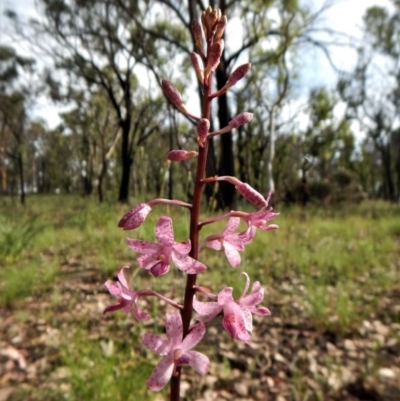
[
  {"x": 21, "y": 178},
  {"x": 126, "y": 163},
  {"x": 226, "y": 195},
  {"x": 271, "y": 151}
]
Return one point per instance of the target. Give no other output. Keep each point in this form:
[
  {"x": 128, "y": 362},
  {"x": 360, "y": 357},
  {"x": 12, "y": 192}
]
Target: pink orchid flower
[
  {"x": 135, "y": 217},
  {"x": 259, "y": 220},
  {"x": 127, "y": 298},
  {"x": 175, "y": 352},
  {"x": 238, "y": 315},
  {"x": 229, "y": 240},
  {"x": 157, "y": 257}
]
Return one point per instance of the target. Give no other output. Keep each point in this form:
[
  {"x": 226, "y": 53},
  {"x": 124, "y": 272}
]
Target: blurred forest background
[{"x": 103, "y": 60}]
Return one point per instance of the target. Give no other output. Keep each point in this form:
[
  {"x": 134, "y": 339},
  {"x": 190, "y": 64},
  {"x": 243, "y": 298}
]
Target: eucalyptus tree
[
  {"x": 96, "y": 46},
  {"x": 16, "y": 92},
  {"x": 372, "y": 92},
  {"x": 168, "y": 24}
]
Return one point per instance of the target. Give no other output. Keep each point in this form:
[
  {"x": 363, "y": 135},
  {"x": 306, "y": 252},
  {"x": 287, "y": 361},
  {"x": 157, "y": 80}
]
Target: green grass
[{"x": 333, "y": 265}]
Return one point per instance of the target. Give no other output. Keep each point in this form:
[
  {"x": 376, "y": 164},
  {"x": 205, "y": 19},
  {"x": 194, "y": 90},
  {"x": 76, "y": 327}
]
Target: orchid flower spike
[
  {"x": 237, "y": 315},
  {"x": 157, "y": 257},
  {"x": 175, "y": 351}
]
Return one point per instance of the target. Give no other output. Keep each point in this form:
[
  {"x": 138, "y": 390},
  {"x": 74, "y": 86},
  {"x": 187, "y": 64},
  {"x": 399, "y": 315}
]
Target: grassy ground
[{"x": 332, "y": 280}]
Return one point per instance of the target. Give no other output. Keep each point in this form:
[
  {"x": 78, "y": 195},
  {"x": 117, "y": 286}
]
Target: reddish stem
[{"x": 187, "y": 310}]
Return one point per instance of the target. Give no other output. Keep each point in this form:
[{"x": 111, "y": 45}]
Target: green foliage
[
  {"x": 104, "y": 370},
  {"x": 16, "y": 236}
]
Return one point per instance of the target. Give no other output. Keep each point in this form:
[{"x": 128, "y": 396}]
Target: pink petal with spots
[
  {"x": 199, "y": 362},
  {"x": 260, "y": 311},
  {"x": 156, "y": 343},
  {"x": 113, "y": 288},
  {"x": 194, "y": 337},
  {"x": 209, "y": 309},
  {"x": 164, "y": 231},
  {"x": 161, "y": 374},
  {"x": 232, "y": 225},
  {"x": 252, "y": 299},
  {"x": 248, "y": 319},
  {"x": 232, "y": 254},
  {"x": 215, "y": 244},
  {"x": 174, "y": 328},
  {"x": 234, "y": 322},
  {"x": 225, "y": 296},
  {"x": 121, "y": 276},
  {"x": 147, "y": 261},
  {"x": 187, "y": 264},
  {"x": 182, "y": 247},
  {"x": 142, "y": 246},
  {"x": 160, "y": 268}
]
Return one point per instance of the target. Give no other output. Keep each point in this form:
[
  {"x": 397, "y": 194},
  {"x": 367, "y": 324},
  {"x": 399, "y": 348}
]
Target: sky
[{"x": 345, "y": 16}]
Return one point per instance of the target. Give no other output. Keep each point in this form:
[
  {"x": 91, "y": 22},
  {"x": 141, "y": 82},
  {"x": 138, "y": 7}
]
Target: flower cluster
[{"x": 182, "y": 332}]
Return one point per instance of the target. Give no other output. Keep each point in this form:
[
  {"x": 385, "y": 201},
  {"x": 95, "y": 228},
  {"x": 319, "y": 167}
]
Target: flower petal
[
  {"x": 214, "y": 244},
  {"x": 248, "y": 320},
  {"x": 156, "y": 343},
  {"x": 161, "y": 374},
  {"x": 232, "y": 254},
  {"x": 209, "y": 309},
  {"x": 232, "y": 225},
  {"x": 174, "y": 328},
  {"x": 194, "y": 337},
  {"x": 164, "y": 231},
  {"x": 182, "y": 247},
  {"x": 113, "y": 288},
  {"x": 234, "y": 322},
  {"x": 142, "y": 246},
  {"x": 199, "y": 362},
  {"x": 121, "y": 276},
  {"x": 187, "y": 264},
  {"x": 225, "y": 296}
]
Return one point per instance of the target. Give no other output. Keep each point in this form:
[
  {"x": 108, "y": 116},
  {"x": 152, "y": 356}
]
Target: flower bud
[
  {"x": 209, "y": 20},
  {"x": 198, "y": 35},
  {"x": 214, "y": 57},
  {"x": 171, "y": 92},
  {"x": 238, "y": 74},
  {"x": 221, "y": 25},
  {"x": 180, "y": 154},
  {"x": 135, "y": 217},
  {"x": 240, "y": 119},
  {"x": 198, "y": 66},
  {"x": 203, "y": 126},
  {"x": 251, "y": 195}
]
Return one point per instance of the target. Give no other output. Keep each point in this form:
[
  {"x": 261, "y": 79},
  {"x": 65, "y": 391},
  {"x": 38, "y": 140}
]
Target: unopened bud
[
  {"x": 221, "y": 25},
  {"x": 198, "y": 66},
  {"x": 203, "y": 126},
  {"x": 198, "y": 35},
  {"x": 238, "y": 74},
  {"x": 240, "y": 119},
  {"x": 179, "y": 155},
  {"x": 209, "y": 19},
  {"x": 251, "y": 195},
  {"x": 214, "y": 57},
  {"x": 135, "y": 217},
  {"x": 171, "y": 92}
]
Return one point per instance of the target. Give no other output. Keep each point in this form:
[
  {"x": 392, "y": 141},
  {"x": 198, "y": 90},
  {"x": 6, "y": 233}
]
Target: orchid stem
[{"x": 190, "y": 291}]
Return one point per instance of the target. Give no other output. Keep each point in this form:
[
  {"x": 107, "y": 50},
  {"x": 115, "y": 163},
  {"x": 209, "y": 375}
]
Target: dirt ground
[{"x": 288, "y": 359}]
